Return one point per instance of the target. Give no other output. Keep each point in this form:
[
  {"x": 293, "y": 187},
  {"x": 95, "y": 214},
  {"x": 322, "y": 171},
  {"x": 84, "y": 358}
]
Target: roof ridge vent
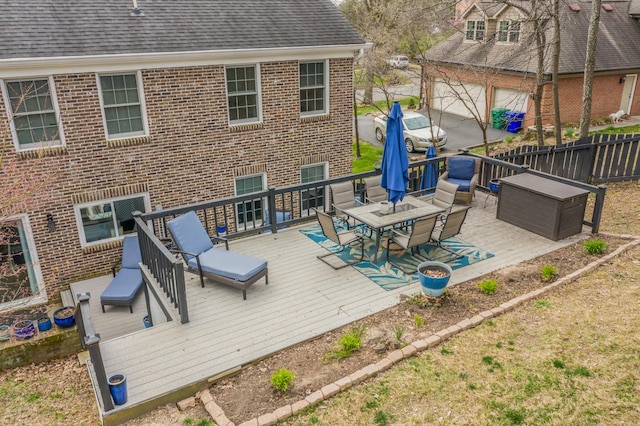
[
  {"x": 136, "y": 10},
  {"x": 575, "y": 7}
]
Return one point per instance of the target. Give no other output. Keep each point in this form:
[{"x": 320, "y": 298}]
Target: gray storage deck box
[{"x": 552, "y": 209}]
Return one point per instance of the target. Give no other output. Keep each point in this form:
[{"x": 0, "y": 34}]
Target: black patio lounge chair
[
  {"x": 220, "y": 265},
  {"x": 126, "y": 284}
]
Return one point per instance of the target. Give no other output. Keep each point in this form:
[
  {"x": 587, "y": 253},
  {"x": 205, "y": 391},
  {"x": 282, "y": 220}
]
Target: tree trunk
[
  {"x": 554, "y": 76},
  {"x": 589, "y": 67},
  {"x": 540, "y": 42}
]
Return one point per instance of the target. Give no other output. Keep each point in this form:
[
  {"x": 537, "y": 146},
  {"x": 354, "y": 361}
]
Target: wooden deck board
[{"x": 304, "y": 299}]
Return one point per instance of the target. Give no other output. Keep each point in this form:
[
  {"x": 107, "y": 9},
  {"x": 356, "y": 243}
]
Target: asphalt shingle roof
[
  {"x": 618, "y": 45},
  {"x": 60, "y": 28}
]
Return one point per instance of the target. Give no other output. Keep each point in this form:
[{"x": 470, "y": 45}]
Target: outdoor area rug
[{"x": 389, "y": 276}]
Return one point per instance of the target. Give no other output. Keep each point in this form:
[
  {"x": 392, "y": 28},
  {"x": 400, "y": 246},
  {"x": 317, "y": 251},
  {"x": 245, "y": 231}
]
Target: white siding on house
[{"x": 456, "y": 98}]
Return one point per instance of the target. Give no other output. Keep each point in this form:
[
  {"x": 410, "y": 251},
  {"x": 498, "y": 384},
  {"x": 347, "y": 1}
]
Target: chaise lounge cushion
[
  {"x": 124, "y": 286},
  {"x": 190, "y": 235},
  {"x": 236, "y": 266}
]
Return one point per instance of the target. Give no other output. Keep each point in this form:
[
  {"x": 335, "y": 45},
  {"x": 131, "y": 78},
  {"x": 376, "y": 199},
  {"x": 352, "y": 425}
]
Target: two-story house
[
  {"x": 492, "y": 59},
  {"x": 112, "y": 106}
]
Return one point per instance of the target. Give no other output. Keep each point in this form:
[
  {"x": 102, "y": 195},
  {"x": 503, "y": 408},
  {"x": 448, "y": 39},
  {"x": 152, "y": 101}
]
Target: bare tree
[{"x": 589, "y": 67}]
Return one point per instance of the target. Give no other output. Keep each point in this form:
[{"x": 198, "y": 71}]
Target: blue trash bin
[
  {"x": 514, "y": 121},
  {"x": 118, "y": 388}
]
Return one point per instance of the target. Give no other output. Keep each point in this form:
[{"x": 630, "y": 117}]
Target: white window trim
[
  {"x": 143, "y": 106},
  {"x": 475, "y": 30},
  {"x": 41, "y": 293},
  {"x": 256, "y": 120},
  {"x": 80, "y": 226},
  {"x": 325, "y": 166},
  {"x": 258, "y": 221},
  {"x": 326, "y": 89},
  {"x": 509, "y": 31},
  {"x": 56, "y": 109}
]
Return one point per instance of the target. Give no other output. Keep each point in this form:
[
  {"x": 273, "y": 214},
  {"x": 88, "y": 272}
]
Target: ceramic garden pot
[
  {"x": 44, "y": 323},
  {"x": 118, "y": 388},
  {"x": 24, "y": 329},
  {"x": 64, "y": 318},
  {"x": 434, "y": 277}
]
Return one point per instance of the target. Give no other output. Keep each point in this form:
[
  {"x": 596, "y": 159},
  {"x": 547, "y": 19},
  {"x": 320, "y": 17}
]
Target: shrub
[
  {"x": 349, "y": 343},
  {"x": 594, "y": 246},
  {"x": 548, "y": 272},
  {"x": 509, "y": 139},
  {"x": 488, "y": 286},
  {"x": 569, "y": 132},
  {"x": 282, "y": 379}
]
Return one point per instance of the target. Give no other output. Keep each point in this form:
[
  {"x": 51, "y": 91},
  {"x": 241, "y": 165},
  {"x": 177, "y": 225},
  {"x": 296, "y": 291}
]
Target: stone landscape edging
[{"x": 412, "y": 349}]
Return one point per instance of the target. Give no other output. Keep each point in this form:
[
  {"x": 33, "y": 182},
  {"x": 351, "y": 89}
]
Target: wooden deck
[{"x": 304, "y": 299}]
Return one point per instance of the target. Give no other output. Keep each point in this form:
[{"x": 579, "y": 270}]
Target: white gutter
[{"x": 107, "y": 63}]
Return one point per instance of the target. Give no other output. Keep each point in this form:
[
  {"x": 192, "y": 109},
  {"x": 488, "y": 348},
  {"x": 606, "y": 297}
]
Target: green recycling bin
[{"x": 498, "y": 119}]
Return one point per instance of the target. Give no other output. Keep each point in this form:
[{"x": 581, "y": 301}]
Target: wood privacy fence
[{"x": 595, "y": 159}]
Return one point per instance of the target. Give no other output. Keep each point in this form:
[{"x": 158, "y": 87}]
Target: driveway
[{"x": 463, "y": 132}]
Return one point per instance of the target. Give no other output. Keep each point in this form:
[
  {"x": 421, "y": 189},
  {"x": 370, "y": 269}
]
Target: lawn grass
[
  {"x": 572, "y": 360},
  {"x": 380, "y": 107},
  {"x": 619, "y": 130},
  {"x": 370, "y": 157}
]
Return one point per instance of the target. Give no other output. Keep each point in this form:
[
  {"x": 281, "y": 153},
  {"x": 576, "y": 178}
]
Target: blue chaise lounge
[
  {"x": 127, "y": 282},
  {"x": 220, "y": 265}
]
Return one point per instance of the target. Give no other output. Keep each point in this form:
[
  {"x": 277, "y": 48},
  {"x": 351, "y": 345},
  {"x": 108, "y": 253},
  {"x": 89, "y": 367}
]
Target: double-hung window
[
  {"x": 122, "y": 105},
  {"x": 475, "y": 30},
  {"x": 313, "y": 197},
  {"x": 33, "y": 113},
  {"x": 249, "y": 212},
  {"x": 509, "y": 31},
  {"x": 313, "y": 88},
  {"x": 109, "y": 219},
  {"x": 243, "y": 94}
]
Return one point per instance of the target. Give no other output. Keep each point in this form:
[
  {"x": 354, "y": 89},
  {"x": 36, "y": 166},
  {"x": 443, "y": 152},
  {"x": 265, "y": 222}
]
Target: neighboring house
[
  {"x": 117, "y": 106},
  {"x": 460, "y": 8},
  {"x": 493, "y": 55}
]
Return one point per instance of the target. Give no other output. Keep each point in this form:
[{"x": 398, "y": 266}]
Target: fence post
[
  {"x": 273, "y": 216},
  {"x": 597, "y": 209}
]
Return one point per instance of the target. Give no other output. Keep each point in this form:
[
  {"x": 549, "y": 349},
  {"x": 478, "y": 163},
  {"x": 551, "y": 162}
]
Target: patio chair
[
  {"x": 464, "y": 172},
  {"x": 219, "y": 265},
  {"x": 375, "y": 192},
  {"x": 451, "y": 227},
  {"x": 444, "y": 197},
  {"x": 126, "y": 284},
  {"x": 344, "y": 197},
  {"x": 343, "y": 239},
  {"x": 420, "y": 233}
]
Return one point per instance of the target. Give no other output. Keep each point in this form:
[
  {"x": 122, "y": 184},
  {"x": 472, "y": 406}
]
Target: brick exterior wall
[
  {"x": 191, "y": 154},
  {"x": 607, "y": 93}
]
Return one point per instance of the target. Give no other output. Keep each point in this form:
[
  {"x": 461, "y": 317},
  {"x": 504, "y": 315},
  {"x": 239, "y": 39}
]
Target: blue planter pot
[
  {"x": 434, "y": 277},
  {"x": 118, "y": 388},
  {"x": 146, "y": 321},
  {"x": 23, "y": 330},
  {"x": 44, "y": 324},
  {"x": 494, "y": 185},
  {"x": 64, "y": 318}
]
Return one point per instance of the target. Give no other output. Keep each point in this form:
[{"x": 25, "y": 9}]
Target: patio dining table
[{"x": 411, "y": 208}]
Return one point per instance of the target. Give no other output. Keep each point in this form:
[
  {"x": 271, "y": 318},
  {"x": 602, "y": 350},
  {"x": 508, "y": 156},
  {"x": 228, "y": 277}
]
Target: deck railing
[
  {"x": 164, "y": 267},
  {"x": 90, "y": 341}
]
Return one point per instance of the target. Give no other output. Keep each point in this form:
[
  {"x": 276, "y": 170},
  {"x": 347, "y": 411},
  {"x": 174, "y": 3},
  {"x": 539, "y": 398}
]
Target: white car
[
  {"x": 418, "y": 131},
  {"x": 399, "y": 61}
]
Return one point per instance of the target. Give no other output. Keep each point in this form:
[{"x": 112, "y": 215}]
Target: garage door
[
  {"x": 453, "y": 97},
  {"x": 513, "y": 100}
]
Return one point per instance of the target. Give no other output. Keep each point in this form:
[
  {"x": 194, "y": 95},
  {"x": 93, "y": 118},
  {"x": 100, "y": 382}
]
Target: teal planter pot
[
  {"x": 118, "y": 388},
  {"x": 434, "y": 277}
]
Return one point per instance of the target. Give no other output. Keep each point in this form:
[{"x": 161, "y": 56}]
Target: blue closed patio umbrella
[
  {"x": 395, "y": 163},
  {"x": 430, "y": 175}
]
